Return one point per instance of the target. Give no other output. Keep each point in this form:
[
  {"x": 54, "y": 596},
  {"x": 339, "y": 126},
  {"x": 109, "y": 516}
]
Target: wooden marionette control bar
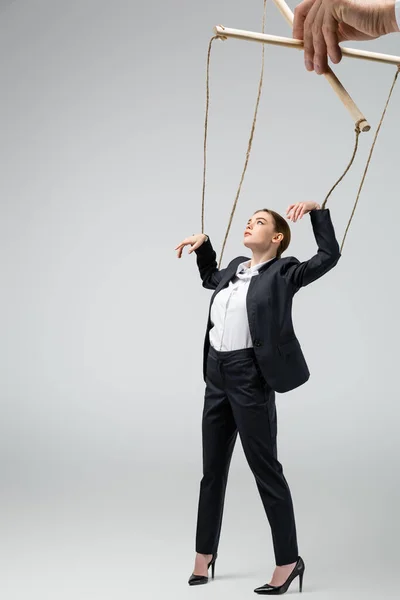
[
  {"x": 330, "y": 76},
  {"x": 356, "y": 114},
  {"x": 265, "y": 38}
]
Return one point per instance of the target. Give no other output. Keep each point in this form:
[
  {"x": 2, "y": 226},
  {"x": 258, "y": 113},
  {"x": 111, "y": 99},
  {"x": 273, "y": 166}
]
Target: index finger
[
  {"x": 300, "y": 14},
  {"x": 185, "y": 242}
]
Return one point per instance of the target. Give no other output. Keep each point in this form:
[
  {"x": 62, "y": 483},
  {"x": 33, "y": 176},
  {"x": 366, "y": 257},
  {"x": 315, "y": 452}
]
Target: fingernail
[
  {"x": 309, "y": 65},
  {"x": 317, "y": 69}
]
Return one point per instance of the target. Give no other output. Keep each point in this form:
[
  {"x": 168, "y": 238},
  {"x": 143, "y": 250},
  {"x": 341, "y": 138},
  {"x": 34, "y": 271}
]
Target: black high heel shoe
[
  {"x": 200, "y": 579},
  {"x": 298, "y": 570}
]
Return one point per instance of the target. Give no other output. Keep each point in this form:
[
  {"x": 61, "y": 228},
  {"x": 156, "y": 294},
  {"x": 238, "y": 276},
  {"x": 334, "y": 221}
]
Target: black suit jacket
[{"x": 269, "y": 302}]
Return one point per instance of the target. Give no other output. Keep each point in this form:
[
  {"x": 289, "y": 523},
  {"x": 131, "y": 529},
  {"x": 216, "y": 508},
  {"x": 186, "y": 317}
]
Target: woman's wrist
[{"x": 205, "y": 236}]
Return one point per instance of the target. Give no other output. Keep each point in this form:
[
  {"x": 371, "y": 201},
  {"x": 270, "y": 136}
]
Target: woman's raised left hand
[{"x": 298, "y": 210}]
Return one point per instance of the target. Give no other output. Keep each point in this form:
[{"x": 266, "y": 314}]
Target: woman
[{"x": 250, "y": 352}]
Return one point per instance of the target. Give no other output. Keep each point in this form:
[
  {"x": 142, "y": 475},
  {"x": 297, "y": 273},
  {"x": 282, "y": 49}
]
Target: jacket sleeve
[
  {"x": 301, "y": 274},
  {"x": 208, "y": 267}
]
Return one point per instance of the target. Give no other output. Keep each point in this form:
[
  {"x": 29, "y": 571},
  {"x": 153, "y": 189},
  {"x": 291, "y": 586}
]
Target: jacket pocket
[{"x": 289, "y": 347}]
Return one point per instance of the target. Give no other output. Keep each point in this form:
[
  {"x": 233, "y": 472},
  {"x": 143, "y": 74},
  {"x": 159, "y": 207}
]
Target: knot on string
[
  {"x": 357, "y": 125},
  {"x": 220, "y": 36}
]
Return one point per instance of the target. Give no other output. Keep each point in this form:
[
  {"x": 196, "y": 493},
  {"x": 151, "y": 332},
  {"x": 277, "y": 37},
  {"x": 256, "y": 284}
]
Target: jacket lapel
[
  {"x": 228, "y": 275},
  {"x": 231, "y": 271}
]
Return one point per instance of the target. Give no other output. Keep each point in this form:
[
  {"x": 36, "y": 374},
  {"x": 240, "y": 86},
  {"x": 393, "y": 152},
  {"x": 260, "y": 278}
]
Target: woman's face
[{"x": 260, "y": 232}]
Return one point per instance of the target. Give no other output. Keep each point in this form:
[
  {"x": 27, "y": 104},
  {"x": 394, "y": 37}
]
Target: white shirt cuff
[{"x": 397, "y": 11}]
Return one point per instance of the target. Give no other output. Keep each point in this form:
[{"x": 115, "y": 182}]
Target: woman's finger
[
  {"x": 182, "y": 248},
  {"x": 194, "y": 247},
  {"x": 301, "y": 208},
  {"x": 185, "y": 242},
  {"x": 297, "y": 211},
  {"x": 290, "y": 208}
]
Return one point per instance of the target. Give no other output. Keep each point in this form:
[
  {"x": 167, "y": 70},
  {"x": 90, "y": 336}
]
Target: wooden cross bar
[{"x": 356, "y": 114}]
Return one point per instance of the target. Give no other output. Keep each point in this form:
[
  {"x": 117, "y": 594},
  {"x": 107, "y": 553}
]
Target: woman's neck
[{"x": 258, "y": 258}]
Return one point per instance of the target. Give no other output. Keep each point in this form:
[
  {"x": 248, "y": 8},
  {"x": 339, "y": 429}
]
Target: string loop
[
  {"x": 357, "y": 129},
  {"x": 260, "y": 85}
]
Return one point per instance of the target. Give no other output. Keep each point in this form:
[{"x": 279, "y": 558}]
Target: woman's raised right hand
[{"x": 195, "y": 241}]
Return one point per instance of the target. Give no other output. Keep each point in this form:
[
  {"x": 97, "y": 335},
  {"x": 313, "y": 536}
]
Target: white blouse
[{"x": 230, "y": 329}]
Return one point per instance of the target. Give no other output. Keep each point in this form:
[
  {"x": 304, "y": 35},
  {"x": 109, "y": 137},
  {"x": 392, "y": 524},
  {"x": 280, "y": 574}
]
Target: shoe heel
[
  {"x": 301, "y": 581},
  {"x": 212, "y": 570}
]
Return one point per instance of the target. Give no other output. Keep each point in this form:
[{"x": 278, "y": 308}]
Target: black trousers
[{"x": 238, "y": 399}]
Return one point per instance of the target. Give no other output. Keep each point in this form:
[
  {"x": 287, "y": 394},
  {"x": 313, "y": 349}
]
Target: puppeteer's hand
[
  {"x": 195, "y": 241},
  {"x": 298, "y": 210},
  {"x": 323, "y": 24}
]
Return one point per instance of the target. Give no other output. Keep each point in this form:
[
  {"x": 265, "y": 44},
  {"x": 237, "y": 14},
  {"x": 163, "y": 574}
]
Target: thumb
[{"x": 194, "y": 247}]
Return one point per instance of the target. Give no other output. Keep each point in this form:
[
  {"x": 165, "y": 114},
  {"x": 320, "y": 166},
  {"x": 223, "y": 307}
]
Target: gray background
[{"x": 102, "y": 110}]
